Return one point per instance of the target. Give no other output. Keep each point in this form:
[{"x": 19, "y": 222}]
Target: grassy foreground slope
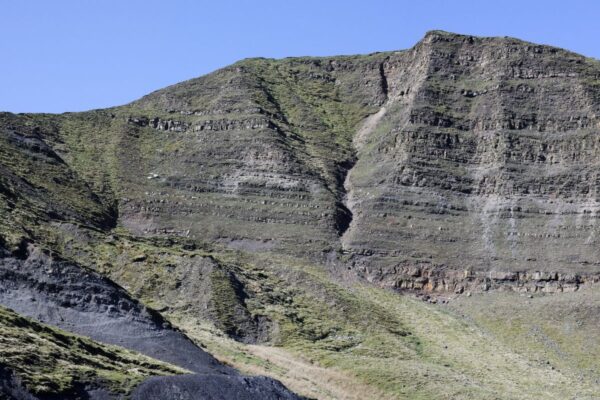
[
  {"x": 557, "y": 331},
  {"x": 374, "y": 341},
  {"x": 51, "y": 362},
  {"x": 329, "y": 337}
]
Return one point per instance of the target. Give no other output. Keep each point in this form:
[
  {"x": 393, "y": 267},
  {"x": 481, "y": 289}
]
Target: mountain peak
[{"x": 245, "y": 204}]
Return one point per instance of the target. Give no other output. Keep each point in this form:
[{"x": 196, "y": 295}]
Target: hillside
[
  {"x": 45, "y": 361},
  {"x": 406, "y": 224}
]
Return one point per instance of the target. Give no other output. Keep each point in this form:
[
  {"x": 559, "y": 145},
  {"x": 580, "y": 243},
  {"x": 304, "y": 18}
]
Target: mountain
[{"x": 406, "y": 224}]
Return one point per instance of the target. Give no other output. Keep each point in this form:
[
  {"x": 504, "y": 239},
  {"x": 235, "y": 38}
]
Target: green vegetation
[
  {"x": 50, "y": 361},
  {"x": 230, "y": 227},
  {"x": 557, "y": 331},
  {"x": 335, "y": 340}
]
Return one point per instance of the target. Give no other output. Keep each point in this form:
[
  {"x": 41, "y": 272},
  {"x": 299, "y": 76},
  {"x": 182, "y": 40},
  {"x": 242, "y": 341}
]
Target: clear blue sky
[{"x": 71, "y": 55}]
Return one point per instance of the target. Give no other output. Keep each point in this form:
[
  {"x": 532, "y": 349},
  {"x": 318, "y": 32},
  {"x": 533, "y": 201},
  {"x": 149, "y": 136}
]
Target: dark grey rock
[
  {"x": 81, "y": 301},
  {"x": 196, "y": 387},
  {"x": 75, "y": 299}
]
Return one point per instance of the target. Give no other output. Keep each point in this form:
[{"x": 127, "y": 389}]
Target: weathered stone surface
[
  {"x": 479, "y": 154},
  {"x": 460, "y": 165},
  {"x": 459, "y": 153},
  {"x": 485, "y": 159},
  {"x": 66, "y": 295}
]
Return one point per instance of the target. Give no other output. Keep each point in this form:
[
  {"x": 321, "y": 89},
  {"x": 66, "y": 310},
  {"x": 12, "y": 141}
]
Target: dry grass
[
  {"x": 315, "y": 381},
  {"x": 294, "y": 370},
  {"x": 455, "y": 359}
]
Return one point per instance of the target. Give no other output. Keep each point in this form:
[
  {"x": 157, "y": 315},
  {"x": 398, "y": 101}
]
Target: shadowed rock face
[
  {"x": 68, "y": 296},
  {"x": 64, "y": 366},
  {"x": 11, "y": 387},
  {"x": 38, "y": 361},
  {"x": 192, "y": 387}
]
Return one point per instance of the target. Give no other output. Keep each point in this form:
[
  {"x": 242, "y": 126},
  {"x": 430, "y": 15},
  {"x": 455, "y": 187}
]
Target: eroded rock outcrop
[
  {"x": 484, "y": 161},
  {"x": 459, "y": 153},
  {"x": 462, "y": 164},
  {"x": 70, "y": 297}
]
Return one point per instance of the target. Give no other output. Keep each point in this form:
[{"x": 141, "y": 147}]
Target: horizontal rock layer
[
  {"x": 462, "y": 164},
  {"x": 460, "y": 153}
]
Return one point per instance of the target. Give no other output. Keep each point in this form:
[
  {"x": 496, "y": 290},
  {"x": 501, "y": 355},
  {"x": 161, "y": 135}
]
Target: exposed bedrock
[
  {"x": 486, "y": 162},
  {"x": 441, "y": 279},
  {"x": 461, "y": 153},
  {"x": 72, "y": 298}
]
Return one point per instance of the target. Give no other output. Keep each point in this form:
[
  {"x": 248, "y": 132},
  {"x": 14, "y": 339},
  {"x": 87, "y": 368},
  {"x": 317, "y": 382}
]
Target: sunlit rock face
[
  {"x": 457, "y": 157},
  {"x": 449, "y": 166},
  {"x": 482, "y": 170}
]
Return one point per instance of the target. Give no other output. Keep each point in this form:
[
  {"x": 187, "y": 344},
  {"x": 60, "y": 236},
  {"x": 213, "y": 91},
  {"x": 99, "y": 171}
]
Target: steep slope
[
  {"x": 253, "y": 155},
  {"x": 40, "y": 362},
  {"x": 252, "y": 206},
  {"x": 80, "y": 301},
  {"x": 70, "y": 297},
  {"x": 478, "y": 149},
  {"x": 483, "y": 167},
  {"x": 37, "y": 186}
]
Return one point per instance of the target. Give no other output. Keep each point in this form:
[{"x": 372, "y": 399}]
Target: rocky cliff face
[
  {"x": 429, "y": 168},
  {"x": 483, "y": 168},
  {"x": 463, "y": 164}
]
